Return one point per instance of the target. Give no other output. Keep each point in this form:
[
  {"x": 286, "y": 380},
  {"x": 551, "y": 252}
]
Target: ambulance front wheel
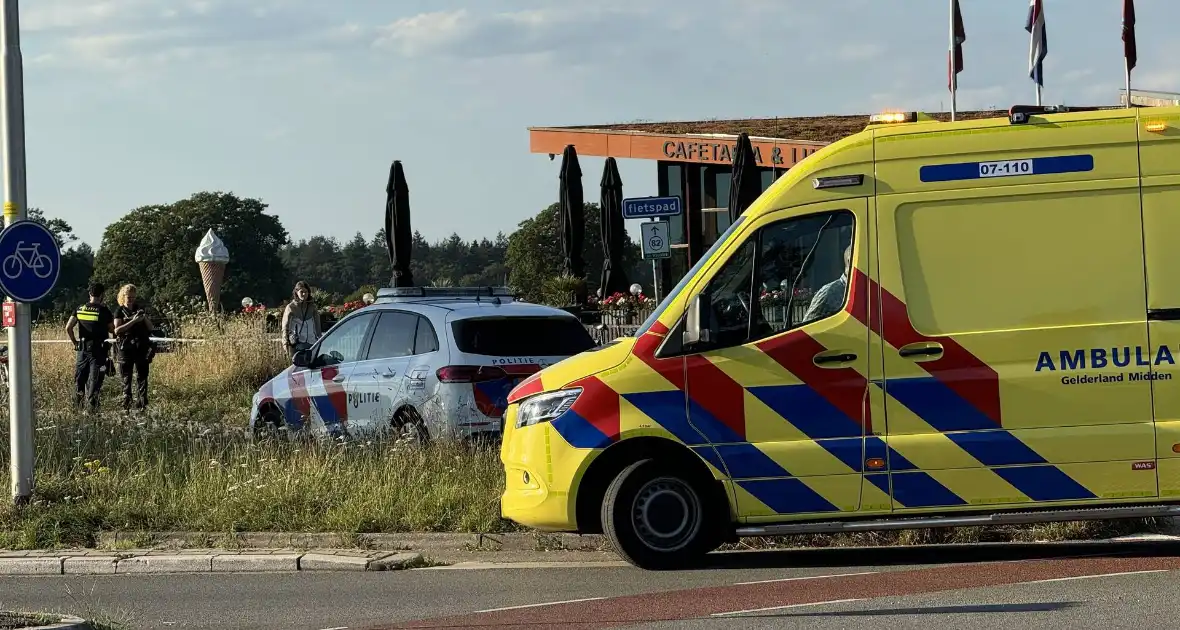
[{"x": 658, "y": 518}]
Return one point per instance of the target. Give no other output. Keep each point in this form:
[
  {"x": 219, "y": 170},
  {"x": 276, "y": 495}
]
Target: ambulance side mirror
[
  {"x": 696, "y": 323},
  {"x": 301, "y": 359}
]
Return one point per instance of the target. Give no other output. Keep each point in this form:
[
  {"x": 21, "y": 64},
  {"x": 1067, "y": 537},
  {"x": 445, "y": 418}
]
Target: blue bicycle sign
[
  {"x": 30, "y": 261},
  {"x": 29, "y": 256}
]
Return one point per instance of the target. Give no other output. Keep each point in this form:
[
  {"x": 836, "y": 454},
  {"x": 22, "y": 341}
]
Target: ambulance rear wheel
[{"x": 657, "y": 518}]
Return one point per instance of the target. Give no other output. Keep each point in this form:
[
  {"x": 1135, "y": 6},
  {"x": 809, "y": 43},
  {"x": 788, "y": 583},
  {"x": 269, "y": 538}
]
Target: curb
[
  {"x": 513, "y": 541},
  {"x": 212, "y": 562},
  {"x": 66, "y": 622}
]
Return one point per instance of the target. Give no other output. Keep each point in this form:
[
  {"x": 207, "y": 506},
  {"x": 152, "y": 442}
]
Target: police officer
[{"x": 95, "y": 322}]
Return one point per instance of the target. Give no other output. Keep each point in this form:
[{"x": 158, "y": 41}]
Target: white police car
[{"x": 431, "y": 362}]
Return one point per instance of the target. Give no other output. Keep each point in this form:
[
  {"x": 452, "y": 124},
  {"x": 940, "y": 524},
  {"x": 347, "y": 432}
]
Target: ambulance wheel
[
  {"x": 657, "y": 518},
  {"x": 408, "y": 423}
]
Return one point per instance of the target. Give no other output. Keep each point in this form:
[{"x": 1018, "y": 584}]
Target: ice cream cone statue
[{"x": 212, "y": 256}]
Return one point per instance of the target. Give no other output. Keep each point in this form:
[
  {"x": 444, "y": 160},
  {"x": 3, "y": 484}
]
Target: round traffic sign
[{"x": 30, "y": 261}]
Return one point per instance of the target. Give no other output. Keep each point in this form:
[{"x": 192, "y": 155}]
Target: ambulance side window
[
  {"x": 788, "y": 274},
  {"x": 803, "y": 267}
]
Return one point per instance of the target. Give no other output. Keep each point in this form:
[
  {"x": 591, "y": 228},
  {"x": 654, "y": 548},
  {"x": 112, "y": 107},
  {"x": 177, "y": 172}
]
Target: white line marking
[
  {"x": 807, "y": 577},
  {"x": 337, "y": 628},
  {"x": 758, "y": 610},
  {"x": 568, "y": 601},
  {"x": 1100, "y": 575}
]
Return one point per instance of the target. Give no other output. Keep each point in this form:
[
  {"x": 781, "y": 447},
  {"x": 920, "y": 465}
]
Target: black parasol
[
  {"x": 614, "y": 278},
  {"x": 398, "y": 236},
  {"x": 745, "y": 184},
  {"x": 571, "y": 212}
]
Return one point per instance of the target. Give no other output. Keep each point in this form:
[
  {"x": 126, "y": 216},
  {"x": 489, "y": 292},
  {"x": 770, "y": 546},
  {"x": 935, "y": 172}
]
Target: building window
[{"x": 674, "y": 175}]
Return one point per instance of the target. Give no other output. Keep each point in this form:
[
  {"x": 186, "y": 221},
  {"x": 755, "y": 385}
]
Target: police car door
[
  {"x": 324, "y": 381},
  {"x": 378, "y": 386}
]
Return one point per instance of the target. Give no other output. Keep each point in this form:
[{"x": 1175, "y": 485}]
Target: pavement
[{"x": 1105, "y": 584}]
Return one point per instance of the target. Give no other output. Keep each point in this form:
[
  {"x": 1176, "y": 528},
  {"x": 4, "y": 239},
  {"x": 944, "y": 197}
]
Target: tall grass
[{"x": 187, "y": 464}]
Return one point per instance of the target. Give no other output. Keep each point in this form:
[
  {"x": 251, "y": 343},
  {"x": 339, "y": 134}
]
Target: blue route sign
[
  {"x": 30, "y": 261},
  {"x": 647, "y": 207}
]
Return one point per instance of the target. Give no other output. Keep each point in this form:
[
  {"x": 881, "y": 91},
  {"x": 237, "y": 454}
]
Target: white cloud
[{"x": 140, "y": 37}]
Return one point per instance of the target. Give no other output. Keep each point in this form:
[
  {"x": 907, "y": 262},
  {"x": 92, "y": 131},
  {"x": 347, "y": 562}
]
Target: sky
[{"x": 304, "y": 103}]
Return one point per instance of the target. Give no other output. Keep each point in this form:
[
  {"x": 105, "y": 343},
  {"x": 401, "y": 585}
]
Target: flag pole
[
  {"x": 950, "y": 60},
  {"x": 1128, "y": 87},
  {"x": 1130, "y": 50},
  {"x": 1039, "y": 89}
]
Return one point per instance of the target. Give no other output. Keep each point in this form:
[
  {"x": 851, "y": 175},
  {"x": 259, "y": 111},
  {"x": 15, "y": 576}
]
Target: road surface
[{"x": 1110, "y": 586}]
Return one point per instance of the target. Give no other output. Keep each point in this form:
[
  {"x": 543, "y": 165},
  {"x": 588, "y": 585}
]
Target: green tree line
[{"x": 152, "y": 247}]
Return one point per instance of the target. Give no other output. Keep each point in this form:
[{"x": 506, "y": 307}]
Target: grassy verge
[{"x": 186, "y": 465}]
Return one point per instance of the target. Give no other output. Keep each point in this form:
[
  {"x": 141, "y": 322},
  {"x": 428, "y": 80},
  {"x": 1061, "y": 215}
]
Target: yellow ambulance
[{"x": 925, "y": 324}]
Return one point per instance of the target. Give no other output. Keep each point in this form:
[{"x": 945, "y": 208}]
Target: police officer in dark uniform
[{"x": 95, "y": 323}]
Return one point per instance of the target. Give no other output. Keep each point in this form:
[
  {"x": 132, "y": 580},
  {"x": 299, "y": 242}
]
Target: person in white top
[
  {"x": 301, "y": 320},
  {"x": 830, "y": 298}
]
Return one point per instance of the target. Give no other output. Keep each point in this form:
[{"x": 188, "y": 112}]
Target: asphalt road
[{"x": 1067, "y": 586}]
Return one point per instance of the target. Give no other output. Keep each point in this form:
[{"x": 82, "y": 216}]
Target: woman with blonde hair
[
  {"x": 301, "y": 320},
  {"x": 133, "y": 342}
]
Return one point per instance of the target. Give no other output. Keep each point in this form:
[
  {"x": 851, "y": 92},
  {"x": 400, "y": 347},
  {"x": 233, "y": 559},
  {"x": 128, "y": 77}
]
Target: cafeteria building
[{"x": 693, "y": 161}]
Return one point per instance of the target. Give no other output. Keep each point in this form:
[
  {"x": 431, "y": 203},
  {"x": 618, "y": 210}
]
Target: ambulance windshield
[{"x": 671, "y": 295}]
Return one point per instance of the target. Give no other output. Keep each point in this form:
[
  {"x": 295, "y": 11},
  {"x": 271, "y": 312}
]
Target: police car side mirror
[
  {"x": 301, "y": 358},
  {"x": 696, "y": 323}
]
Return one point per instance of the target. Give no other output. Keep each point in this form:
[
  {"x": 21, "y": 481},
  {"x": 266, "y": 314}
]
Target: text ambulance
[{"x": 924, "y": 324}]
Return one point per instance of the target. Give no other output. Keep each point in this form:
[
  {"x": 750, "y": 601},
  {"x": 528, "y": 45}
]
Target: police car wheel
[
  {"x": 656, "y": 518},
  {"x": 269, "y": 423},
  {"x": 407, "y": 422}
]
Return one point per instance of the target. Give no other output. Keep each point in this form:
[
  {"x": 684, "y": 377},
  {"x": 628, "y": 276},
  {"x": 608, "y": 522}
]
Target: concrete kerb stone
[
  {"x": 396, "y": 562},
  {"x": 44, "y": 565},
  {"x": 186, "y": 563},
  {"x": 90, "y": 565},
  {"x": 65, "y": 622},
  {"x": 333, "y": 562},
  {"x": 247, "y": 562}
]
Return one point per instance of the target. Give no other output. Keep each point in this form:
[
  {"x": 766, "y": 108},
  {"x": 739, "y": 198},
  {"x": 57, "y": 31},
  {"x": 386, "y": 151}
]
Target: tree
[
  {"x": 77, "y": 265},
  {"x": 534, "y": 253},
  {"x": 153, "y": 248},
  {"x": 63, "y": 232}
]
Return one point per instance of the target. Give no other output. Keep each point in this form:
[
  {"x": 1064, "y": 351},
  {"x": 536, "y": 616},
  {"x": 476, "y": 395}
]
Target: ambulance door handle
[
  {"x": 824, "y": 358},
  {"x": 921, "y": 350}
]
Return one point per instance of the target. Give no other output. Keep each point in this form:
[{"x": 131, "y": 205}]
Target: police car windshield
[{"x": 671, "y": 295}]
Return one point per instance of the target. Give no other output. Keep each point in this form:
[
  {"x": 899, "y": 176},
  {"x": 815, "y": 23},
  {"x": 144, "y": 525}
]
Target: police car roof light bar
[{"x": 443, "y": 292}]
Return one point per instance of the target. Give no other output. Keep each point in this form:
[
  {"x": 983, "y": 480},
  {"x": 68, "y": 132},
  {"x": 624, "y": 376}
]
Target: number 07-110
[{"x": 1005, "y": 168}]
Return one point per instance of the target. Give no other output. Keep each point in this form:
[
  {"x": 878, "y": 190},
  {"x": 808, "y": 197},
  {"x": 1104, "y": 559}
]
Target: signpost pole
[
  {"x": 655, "y": 280},
  {"x": 20, "y": 403}
]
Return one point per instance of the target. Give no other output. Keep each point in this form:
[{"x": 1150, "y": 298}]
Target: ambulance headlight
[{"x": 546, "y": 407}]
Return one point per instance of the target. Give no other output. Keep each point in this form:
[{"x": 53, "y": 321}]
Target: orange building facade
[{"x": 693, "y": 161}]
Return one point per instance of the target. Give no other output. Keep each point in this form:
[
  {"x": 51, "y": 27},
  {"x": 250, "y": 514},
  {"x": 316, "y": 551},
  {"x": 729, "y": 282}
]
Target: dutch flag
[{"x": 1038, "y": 43}]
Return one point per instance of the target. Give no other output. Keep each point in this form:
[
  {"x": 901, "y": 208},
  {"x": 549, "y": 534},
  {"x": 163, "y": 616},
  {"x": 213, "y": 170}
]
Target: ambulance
[{"x": 925, "y": 324}]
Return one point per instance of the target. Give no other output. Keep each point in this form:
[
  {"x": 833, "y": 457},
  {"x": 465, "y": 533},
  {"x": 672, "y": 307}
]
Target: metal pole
[
  {"x": 1039, "y": 95},
  {"x": 20, "y": 400},
  {"x": 655, "y": 279},
  {"x": 950, "y": 61},
  {"x": 1128, "y": 87}
]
